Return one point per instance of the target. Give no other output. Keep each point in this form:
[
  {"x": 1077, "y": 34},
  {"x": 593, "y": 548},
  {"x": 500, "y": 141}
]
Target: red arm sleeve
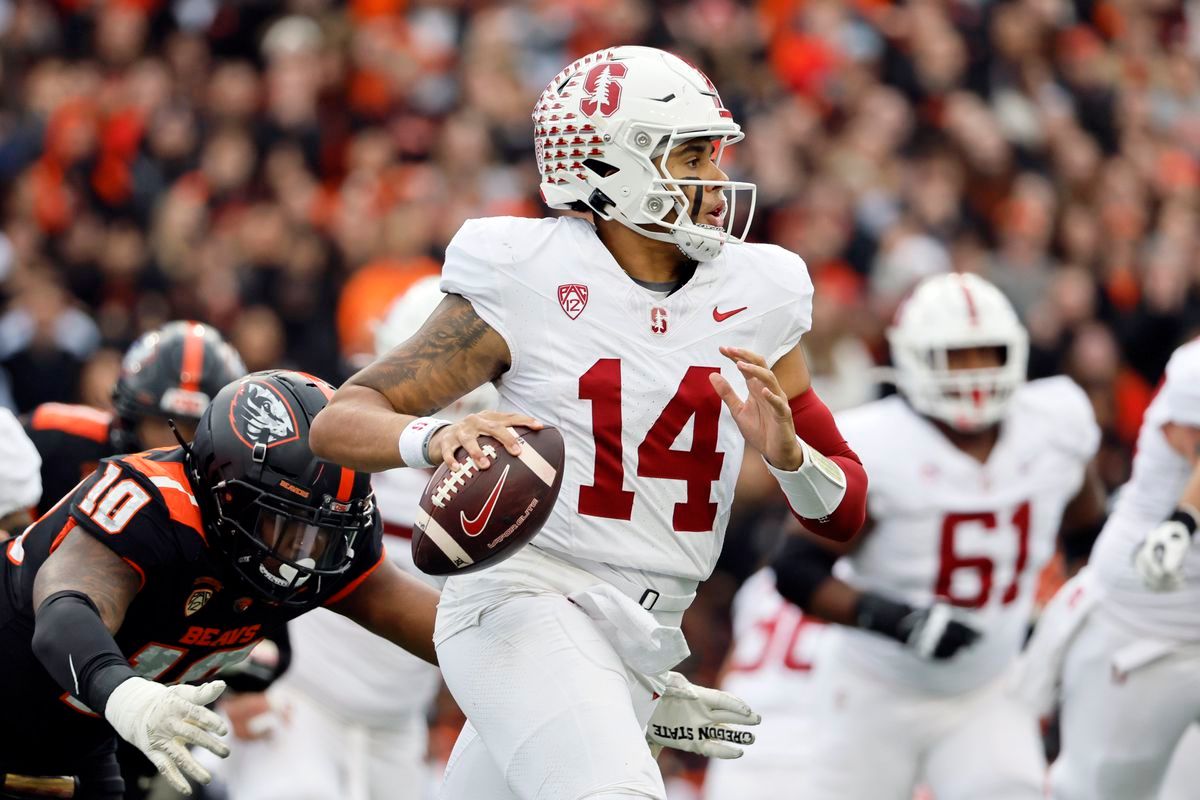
[{"x": 815, "y": 425}]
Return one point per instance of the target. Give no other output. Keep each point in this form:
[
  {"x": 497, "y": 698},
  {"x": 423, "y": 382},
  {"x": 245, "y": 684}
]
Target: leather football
[{"x": 470, "y": 518}]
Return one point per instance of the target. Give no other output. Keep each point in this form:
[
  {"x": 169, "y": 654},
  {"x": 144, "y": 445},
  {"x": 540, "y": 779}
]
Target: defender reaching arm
[
  {"x": 394, "y": 606},
  {"x": 82, "y": 593}
]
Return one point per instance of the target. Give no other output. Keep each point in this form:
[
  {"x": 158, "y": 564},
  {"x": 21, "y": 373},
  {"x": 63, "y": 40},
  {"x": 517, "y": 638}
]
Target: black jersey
[
  {"x": 191, "y": 617},
  {"x": 71, "y": 441}
]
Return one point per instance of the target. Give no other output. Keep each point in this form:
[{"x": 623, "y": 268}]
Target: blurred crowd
[{"x": 283, "y": 169}]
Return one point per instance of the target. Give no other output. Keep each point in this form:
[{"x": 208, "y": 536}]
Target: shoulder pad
[
  {"x": 1065, "y": 411},
  {"x": 82, "y": 421},
  {"x": 505, "y": 240}
]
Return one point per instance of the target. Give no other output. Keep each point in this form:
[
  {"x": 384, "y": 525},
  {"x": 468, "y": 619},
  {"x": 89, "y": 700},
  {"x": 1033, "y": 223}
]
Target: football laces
[{"x": 458, "y": 477}]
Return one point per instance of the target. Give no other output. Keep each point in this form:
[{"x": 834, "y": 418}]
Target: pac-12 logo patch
[
  {"x": 202, "y": 592},
  {"x": 260, "y": 415},
  {"x": 573, "y": 298}
]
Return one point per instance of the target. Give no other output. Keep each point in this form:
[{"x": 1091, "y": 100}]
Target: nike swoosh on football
[
  {"x": 721, "y": 316},
  {"x": 475, "y": 526}
]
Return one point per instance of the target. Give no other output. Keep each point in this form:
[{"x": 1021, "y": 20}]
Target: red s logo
[
  {"x": 603, "y": 88},
  {"x": 658, "y": 320}
]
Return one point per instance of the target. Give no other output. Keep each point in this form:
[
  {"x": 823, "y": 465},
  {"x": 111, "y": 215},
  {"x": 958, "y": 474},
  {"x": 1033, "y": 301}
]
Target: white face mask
[
  {"x": 602, "y": 128},
  {"x": 953, "y": 312}
]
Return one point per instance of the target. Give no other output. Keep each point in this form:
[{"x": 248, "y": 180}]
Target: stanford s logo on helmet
[
  {"x": 603, "y": 129},
  {"x": 288, "y": 520},
  {"x": 603, "y": 87}
]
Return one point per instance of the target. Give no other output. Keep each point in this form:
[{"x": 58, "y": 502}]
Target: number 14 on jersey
[{"x": 698, "y": 467}]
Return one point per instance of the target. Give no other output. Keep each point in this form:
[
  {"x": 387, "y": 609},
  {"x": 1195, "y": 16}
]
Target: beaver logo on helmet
[{"x": 260, "y": 415}]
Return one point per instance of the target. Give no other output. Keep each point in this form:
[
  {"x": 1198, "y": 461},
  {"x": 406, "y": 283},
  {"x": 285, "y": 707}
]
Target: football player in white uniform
[
  {"x": 770, "y": 667},
  {"x": 348, "y": 718},
  {"x": 1131, "y": 659},
  {"x": 974, "y": 472},
  {"x": 660, "y": 344}
]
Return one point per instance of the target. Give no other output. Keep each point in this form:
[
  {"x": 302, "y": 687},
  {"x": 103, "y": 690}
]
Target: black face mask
[{"x": 285, "y": 549}]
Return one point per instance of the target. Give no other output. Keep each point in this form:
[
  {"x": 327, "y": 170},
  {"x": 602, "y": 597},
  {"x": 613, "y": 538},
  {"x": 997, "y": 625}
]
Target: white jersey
[
  {"x": 770, "y": 666},
  {"x": 348, "y": 669},
  {"x": 1152, "y": 493},
  {"x": 974, "y": 535},
  {"x": 652, "y": 453}
]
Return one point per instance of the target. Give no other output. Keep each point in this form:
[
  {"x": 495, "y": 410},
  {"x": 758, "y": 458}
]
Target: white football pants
[
  {"x": 554, "y": 713},
  {"x": 878, "y": 741},
  {"x": 1183, "y": 774},
  {"x": 316, "y": 755},
  {"x": 1121, "y": 727}
]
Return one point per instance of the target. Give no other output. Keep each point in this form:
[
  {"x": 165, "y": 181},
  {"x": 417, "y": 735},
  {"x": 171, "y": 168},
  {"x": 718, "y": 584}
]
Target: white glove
[
  {"x": 161, "y": 720},
  {"x": 697, "y": 720},
  {"x": 1159, "y": 558}
]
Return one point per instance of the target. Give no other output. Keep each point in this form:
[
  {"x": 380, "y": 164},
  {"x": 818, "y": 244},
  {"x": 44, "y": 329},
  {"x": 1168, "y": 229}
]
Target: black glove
[{"x": 931, "y": 633}]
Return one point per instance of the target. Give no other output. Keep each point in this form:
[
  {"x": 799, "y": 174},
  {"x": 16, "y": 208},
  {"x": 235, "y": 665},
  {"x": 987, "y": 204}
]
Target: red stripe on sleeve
[{"x": 815, "y": 425}]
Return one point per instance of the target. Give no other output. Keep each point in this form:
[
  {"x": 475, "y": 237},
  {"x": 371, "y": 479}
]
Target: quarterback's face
[{"x": 694, "y": 160}]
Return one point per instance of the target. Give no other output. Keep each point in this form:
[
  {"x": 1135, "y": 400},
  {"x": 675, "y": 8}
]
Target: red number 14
[{"x": 698, "y": 467}]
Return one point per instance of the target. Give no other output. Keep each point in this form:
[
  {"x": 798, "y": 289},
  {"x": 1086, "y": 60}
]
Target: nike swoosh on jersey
[
  {"x": 475, "y": 526},
  {"x": 721, "y": 316}
]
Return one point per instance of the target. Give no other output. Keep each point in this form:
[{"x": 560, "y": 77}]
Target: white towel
[{"x": 643, "y": 644}]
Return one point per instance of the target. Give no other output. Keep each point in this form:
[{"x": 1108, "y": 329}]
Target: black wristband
[
  {"x": 877, "y": 613},
  {"x": 1185, "y": 517},
  {"x": 801, "y": 567},
  {"x": 70, "y": 640}
]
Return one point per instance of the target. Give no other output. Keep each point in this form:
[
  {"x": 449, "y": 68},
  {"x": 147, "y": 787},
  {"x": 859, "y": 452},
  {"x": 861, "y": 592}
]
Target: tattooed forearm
[
  {"x": 453, "y": 352},
  {"x": 85, "y": 565}
]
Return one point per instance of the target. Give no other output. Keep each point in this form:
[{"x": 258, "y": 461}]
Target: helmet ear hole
[{"x": 601, "y": 168}]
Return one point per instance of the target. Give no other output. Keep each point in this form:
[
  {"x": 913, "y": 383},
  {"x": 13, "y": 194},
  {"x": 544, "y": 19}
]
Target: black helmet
[
  {"x": 172, "y": 372},
  {"x": 283, "y": 515}
]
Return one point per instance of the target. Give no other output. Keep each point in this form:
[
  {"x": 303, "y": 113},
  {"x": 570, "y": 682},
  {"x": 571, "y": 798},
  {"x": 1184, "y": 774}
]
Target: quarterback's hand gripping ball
[
  {"x": 698, "y": 720},
  {"x": 472, "y": 518}
]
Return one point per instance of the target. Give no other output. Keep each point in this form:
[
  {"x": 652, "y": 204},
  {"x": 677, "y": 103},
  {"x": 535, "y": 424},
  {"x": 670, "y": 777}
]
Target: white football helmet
[
  {"x": 952, "y": 312},
  {"x": 602, "y": 132},
  {"x": 405, "y": 317}
]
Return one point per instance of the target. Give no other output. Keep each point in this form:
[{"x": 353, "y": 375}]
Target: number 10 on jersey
[{"x": 698, "y": 467}]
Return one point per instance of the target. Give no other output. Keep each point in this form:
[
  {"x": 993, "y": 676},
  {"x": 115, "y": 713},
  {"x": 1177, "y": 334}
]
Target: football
[{"x": 470, "y": 518}]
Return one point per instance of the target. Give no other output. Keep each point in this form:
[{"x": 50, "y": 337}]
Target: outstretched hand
[{"x": 764, "y": 416}]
